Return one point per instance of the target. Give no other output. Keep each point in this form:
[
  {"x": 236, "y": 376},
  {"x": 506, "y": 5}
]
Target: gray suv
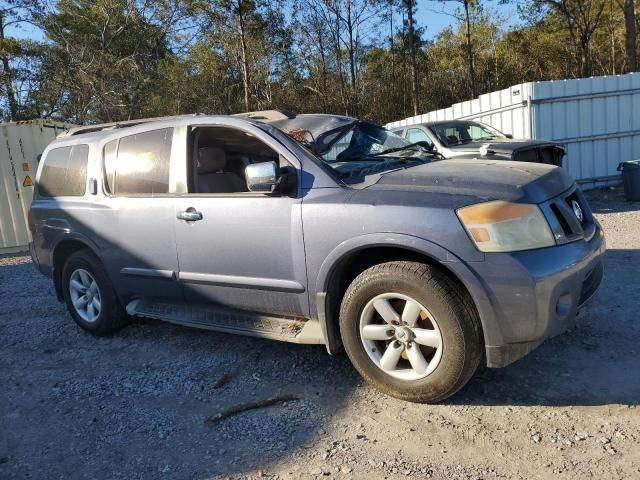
[{"x": 420, "y": 269}]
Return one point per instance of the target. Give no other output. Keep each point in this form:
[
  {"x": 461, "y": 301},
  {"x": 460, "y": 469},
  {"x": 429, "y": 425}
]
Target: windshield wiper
[
  {"x": 364, "y": 157},
  {"x": 399, "y": 149}
]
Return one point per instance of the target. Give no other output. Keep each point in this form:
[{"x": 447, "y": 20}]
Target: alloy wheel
[
  {"x": 400, "y": 336},
  {"x": 85, "y": 295}
]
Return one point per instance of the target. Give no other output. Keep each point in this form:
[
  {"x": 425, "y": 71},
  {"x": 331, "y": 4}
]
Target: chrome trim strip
[{"x": 148, "y": 272}]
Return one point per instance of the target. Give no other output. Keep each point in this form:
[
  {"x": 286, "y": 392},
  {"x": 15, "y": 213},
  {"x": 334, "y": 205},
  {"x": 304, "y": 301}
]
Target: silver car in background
[{"x": 469, "y": 139}]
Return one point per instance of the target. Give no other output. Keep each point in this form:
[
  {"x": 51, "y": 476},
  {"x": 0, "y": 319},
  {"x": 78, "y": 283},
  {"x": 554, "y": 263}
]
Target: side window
[
  {"x": 476, "y": 132},
  {"x": 219, "y": 156},
  {"x": 452, "y": 133},
  {"x": 138, "y": 164},
  {"x": 64, "y": 173},
  {"x": 338, "y": 147},
  {"x": 417, "y": 135},
  {"x": 110, "y": 152}
]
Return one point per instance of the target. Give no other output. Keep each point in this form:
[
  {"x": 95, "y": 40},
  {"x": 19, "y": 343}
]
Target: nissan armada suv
[{"x": 420, "y": 269}]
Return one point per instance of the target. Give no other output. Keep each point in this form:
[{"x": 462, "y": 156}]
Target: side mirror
[
  {"x": 508, "y": 135},
  {"x": 261, "y": 177}
]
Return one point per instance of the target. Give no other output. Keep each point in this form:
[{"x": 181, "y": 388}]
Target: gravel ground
[{"x": 136, "y": 405}]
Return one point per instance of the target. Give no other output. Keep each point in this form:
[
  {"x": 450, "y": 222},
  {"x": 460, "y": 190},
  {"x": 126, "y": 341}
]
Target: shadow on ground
[{"x": 136, "y": 404}]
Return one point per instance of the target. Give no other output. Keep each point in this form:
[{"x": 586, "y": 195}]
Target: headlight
[{"x": 500, "y": 226}]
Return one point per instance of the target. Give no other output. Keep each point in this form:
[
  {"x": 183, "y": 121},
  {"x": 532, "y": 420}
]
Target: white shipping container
[
  {"x": 21, "y": 144},
  {"x": 597, "y": 119}
]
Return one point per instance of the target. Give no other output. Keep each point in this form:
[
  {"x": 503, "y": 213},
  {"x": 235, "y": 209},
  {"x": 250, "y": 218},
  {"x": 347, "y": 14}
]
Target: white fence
[
  {"x": 597, "y": 119},
  {"x": 21, "y": 144}
]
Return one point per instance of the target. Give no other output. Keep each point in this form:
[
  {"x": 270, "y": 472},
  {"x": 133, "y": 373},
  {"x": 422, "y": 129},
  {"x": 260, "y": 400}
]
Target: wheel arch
[
  {"x": 351, "y": 258},
  {"x": 61, "y": 252}
]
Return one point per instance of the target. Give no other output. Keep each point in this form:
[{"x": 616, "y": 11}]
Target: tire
[
  {"x": 447, "y": 327},
  {"x": 83, "y": 266}
]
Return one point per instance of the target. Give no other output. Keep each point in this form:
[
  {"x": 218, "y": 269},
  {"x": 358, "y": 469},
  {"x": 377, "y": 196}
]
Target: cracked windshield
[{"x": 365, "y": 149}]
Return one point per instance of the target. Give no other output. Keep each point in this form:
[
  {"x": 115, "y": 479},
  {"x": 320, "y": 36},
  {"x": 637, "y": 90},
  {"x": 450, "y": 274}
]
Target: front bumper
[
  {"x": 538, "y": 294},
  {"x": 34, "y": 257}
]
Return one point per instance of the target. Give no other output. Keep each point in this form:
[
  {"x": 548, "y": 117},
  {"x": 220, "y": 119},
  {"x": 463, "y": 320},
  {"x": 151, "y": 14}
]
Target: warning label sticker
[{"x": 27, "y": 182}]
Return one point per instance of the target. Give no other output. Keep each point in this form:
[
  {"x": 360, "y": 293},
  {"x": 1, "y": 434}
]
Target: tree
[
  {"x": 472, "y": 73},
  {"x": 468, "y": 6},
  {"x": 105, "y": 54},
  {"x": 631, "y": 59},
  {"x": 107, "y": 60},
  {"x": 336, "y": 35},
  {"x": 583, "y": 18},
  {"x": 414, "y": 42},
  {"x": 14, "y": 13},
  {"x": 252, "y": 38}
]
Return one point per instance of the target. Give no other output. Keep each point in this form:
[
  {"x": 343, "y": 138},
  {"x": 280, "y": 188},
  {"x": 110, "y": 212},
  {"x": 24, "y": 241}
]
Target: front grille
[{"x": 566, "y": 226}]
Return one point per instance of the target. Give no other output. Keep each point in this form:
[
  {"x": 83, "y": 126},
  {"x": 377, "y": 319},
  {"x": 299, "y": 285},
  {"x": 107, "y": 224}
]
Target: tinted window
[
  {"x": 139, "y": 164},
  {"x": 464, "y": 132},
  {"x": 64, "y": 172},
  {"x": 110, "y": 152}
]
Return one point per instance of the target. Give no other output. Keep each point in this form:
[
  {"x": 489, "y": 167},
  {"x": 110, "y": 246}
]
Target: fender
[
  {"x": 65, "y": 233},
  {"x": 457, "y": 267}
]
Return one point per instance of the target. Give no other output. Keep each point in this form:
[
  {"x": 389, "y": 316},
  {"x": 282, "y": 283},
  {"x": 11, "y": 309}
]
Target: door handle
[{"x": 190, "y": 215}]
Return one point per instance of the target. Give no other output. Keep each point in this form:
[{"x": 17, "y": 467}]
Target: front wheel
[
  {"x": 89, "y": 295},
  {"x": 410, "y": 332}
]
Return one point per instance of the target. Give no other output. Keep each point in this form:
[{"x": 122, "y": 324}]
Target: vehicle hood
[
  {"x": 503, "y": 145},
  {"x": 474, "y": 180}
]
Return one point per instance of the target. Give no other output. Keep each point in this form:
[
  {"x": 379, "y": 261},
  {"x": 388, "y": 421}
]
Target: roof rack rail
[
  {"x": 268, "y": 115},
  {"x": 114, "y": 125}
]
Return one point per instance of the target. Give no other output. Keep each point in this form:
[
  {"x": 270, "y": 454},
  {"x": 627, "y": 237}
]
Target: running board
[{"x": 221, "y": 319}]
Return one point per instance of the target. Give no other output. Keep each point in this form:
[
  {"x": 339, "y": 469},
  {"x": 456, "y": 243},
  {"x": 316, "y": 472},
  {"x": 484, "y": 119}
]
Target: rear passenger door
[{"x": 137, "y": 223}]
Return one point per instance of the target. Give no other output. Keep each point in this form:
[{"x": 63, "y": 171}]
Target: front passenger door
[{"x": 240, "y": 249}]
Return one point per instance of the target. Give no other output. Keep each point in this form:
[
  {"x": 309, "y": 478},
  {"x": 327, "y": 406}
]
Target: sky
[
  {"x": 432, "y": 15},
  {"x": 437, "y": 15}
]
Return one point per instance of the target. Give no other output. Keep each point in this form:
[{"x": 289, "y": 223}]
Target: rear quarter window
[{"x": 64, "y": 172}]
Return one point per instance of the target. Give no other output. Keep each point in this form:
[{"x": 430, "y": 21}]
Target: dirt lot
[{"x": 135, "y": 405}]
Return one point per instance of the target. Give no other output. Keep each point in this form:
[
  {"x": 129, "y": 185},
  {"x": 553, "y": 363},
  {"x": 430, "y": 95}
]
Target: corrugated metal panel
[
  {"x": 20, "y": 146},
  {"x": 597, "y": 119}
]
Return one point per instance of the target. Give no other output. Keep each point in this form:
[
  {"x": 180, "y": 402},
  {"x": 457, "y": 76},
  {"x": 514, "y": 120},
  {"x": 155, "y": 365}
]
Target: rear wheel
[
  {"x": 410, "y": 331},
  {"x": 89, "y": 295}
]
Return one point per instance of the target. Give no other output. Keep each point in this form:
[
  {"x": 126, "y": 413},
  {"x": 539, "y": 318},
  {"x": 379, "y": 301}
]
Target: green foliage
[{"x": 108, "y": 60}]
